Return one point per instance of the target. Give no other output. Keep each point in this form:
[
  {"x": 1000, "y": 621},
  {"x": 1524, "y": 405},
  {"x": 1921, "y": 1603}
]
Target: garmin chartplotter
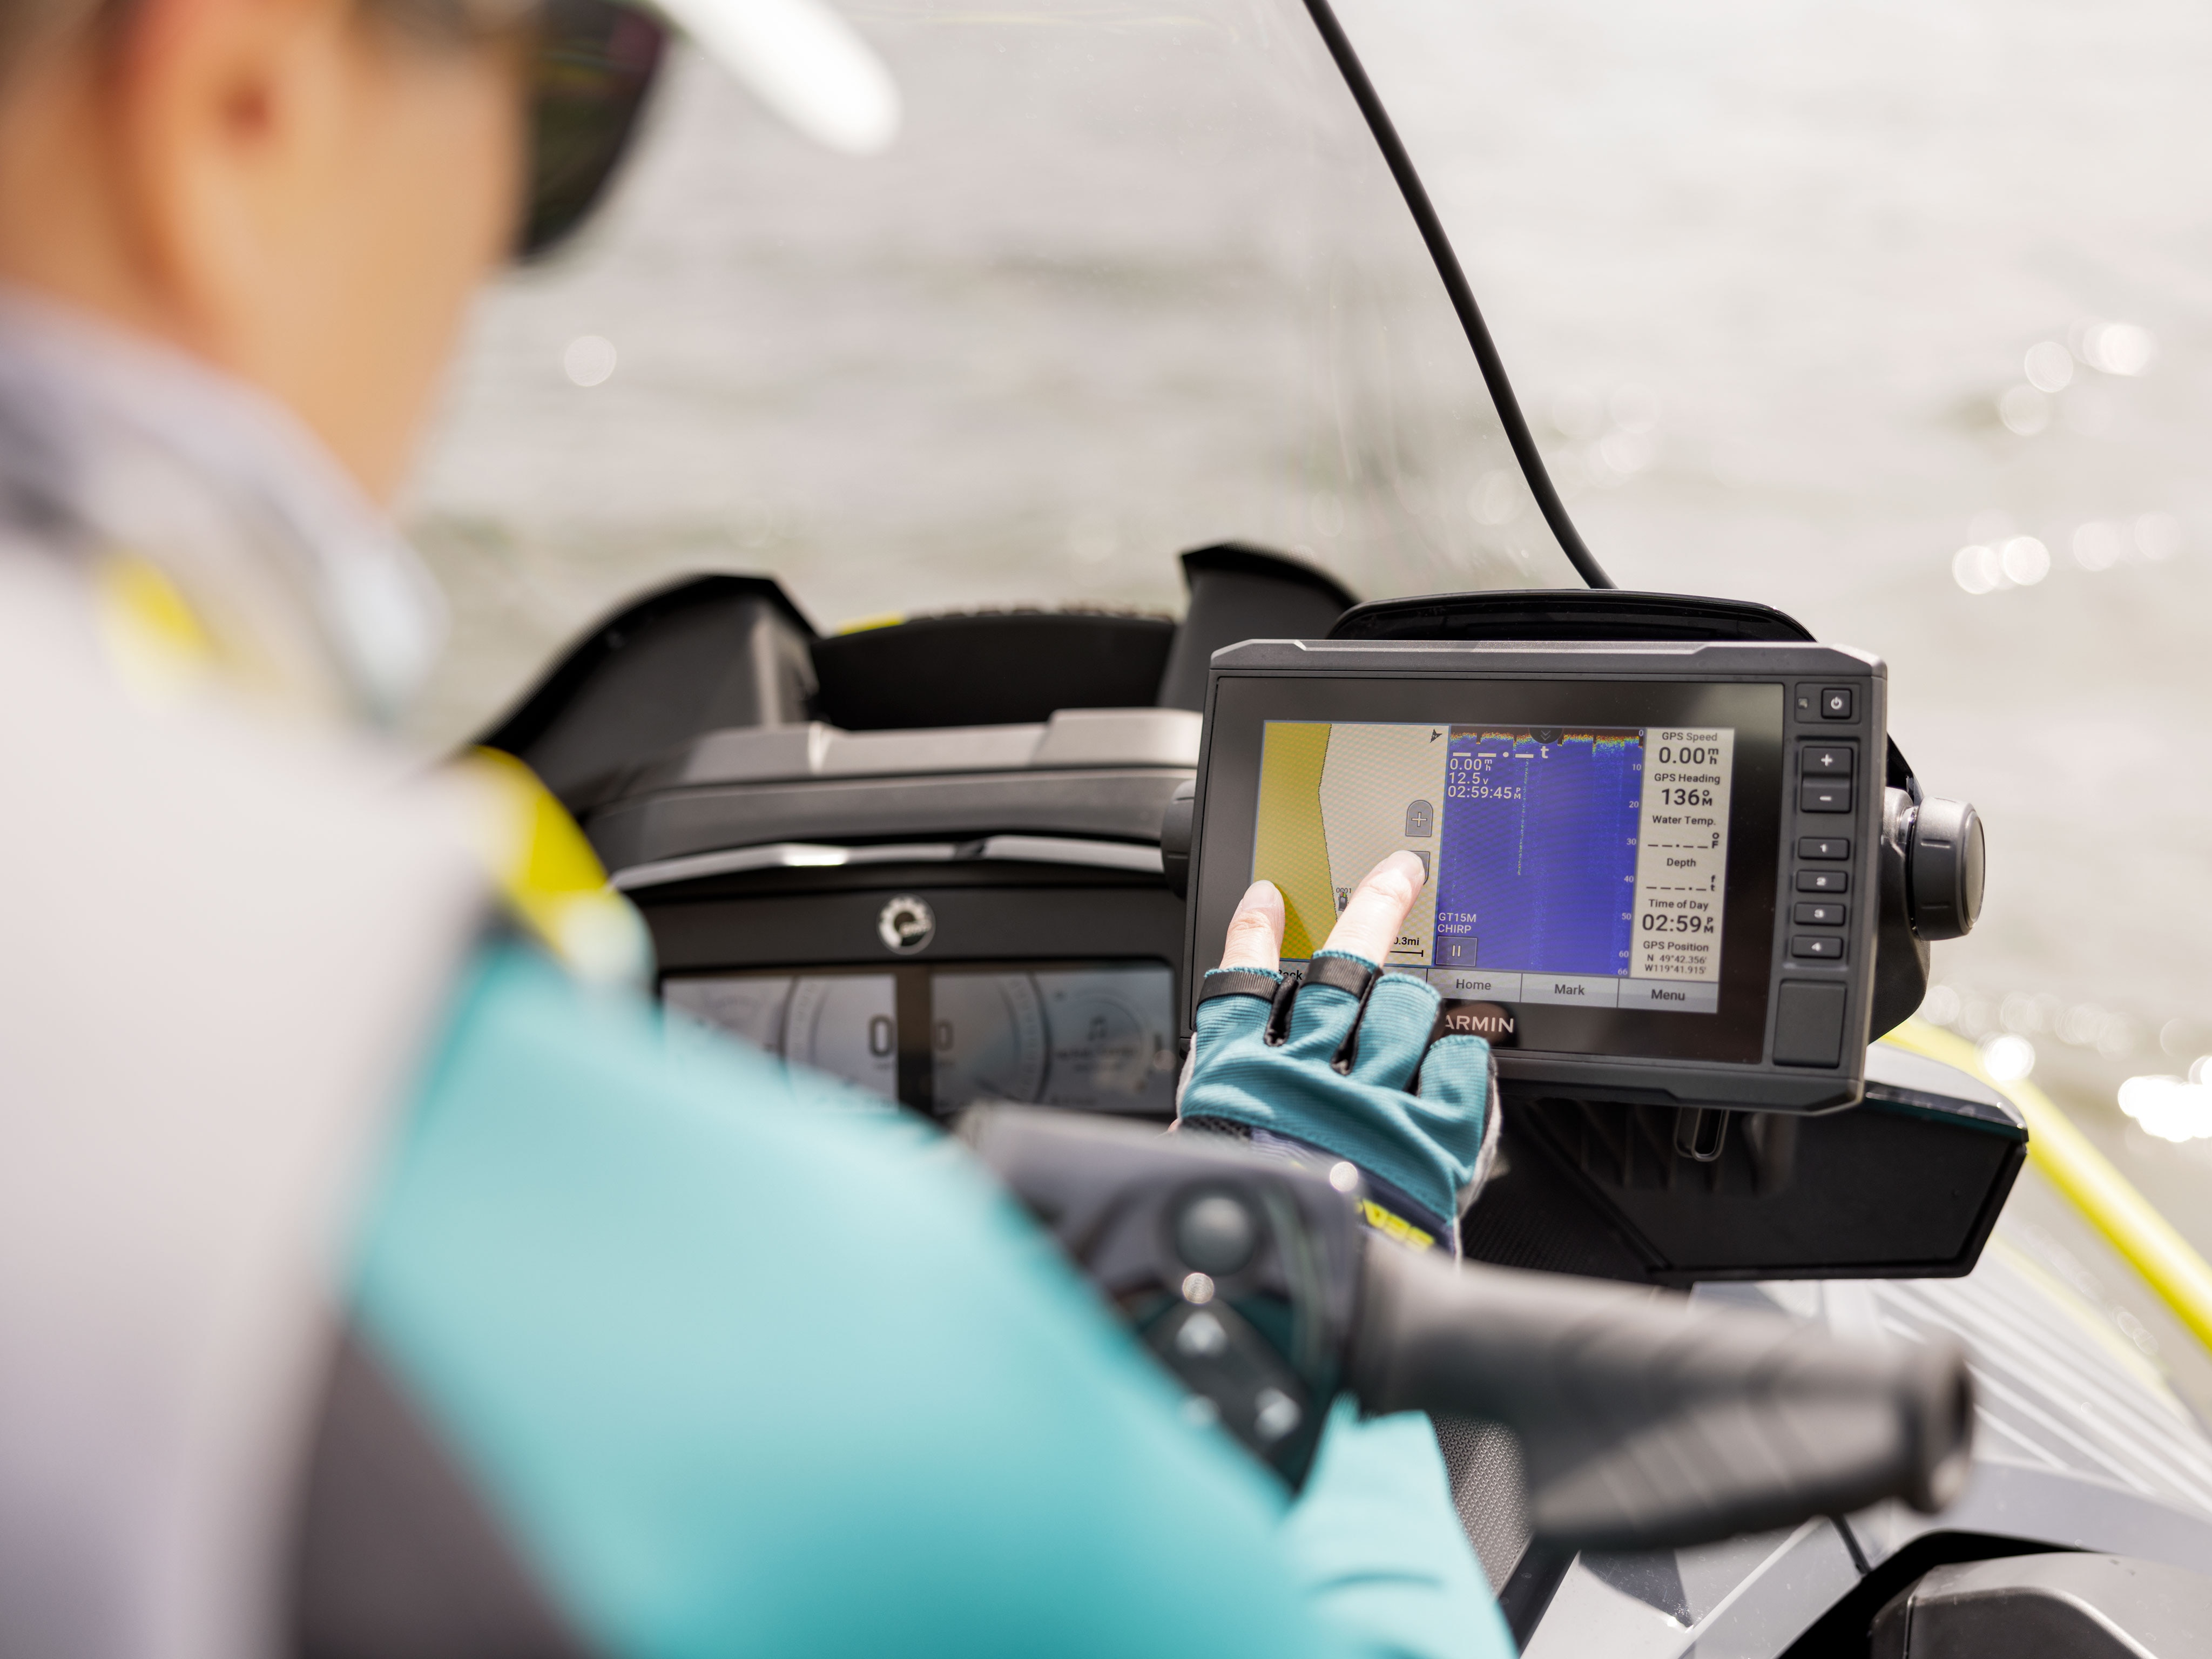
[{"x": 1653, "y": 867}]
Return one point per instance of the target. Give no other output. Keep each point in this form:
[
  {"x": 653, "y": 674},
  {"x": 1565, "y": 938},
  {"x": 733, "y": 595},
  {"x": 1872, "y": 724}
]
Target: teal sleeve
[
  {"x": 1378, "y": 1545},
  {"x": 746, "y": 1374}
]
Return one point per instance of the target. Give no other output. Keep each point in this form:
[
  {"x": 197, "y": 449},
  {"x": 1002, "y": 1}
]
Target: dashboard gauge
[
  {"x": 845, "y": 1025},
  {"x": 1097, "y": 1036},
  {"x": 747, "y": 1006},
  {"x": 1112, "y": 1038},
  {"x": 988, "y": 1039}
]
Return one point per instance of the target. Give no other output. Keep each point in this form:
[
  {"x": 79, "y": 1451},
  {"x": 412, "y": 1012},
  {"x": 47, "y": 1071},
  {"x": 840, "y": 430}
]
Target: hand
[
  {"x": 1372, "y": 917},
  {"x": 1347, "y": 1072}
]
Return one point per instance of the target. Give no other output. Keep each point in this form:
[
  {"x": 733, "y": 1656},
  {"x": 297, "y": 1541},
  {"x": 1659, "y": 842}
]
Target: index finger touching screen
[{"x": 1375, "y": 912}]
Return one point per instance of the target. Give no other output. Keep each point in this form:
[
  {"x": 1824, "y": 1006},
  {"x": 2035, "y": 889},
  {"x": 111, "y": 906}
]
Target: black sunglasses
[{"x": 594, "y": 63}]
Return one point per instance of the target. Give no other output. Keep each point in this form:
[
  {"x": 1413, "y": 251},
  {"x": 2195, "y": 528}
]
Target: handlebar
[
  {"x": 1646, "y": 1417},
  {"x": 1646, "y": 1421}
]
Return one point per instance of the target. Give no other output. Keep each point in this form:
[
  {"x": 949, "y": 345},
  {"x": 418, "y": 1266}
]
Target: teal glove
[{"x": 1340, "y": 1066}]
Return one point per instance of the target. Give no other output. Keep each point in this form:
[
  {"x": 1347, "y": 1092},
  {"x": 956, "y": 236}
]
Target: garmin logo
[{"x": 1490, "y": 1020}]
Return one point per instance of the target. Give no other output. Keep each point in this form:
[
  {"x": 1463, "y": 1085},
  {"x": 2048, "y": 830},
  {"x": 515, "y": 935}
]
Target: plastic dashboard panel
[
  {"x": 1907, "y": 1184},
  {"x": 988, "y": 918}
]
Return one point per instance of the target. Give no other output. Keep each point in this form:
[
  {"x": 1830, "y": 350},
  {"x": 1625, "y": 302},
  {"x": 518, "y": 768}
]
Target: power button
[{"x": 1836, "y": 702}]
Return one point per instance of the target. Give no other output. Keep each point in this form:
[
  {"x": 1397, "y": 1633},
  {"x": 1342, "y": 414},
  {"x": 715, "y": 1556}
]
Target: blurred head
[{"x": 302, "y": 192}]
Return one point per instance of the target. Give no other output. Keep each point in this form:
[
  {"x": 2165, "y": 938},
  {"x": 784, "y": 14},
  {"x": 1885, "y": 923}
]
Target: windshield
[{"x": 1129, "y": 281}]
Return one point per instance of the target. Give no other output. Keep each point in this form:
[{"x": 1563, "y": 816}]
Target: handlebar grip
[{"x": 1650, "y": 1423}]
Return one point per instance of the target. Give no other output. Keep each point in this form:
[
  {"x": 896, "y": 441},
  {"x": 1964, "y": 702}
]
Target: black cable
[{"x": 1463, "y": 297}]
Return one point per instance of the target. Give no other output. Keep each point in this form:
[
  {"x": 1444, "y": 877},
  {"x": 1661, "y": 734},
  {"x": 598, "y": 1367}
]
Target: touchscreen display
[{"x": 1571, "y": 865}]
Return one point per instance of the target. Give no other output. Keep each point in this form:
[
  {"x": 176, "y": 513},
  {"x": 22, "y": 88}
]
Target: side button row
[{"x": 1808, "y": 1023}]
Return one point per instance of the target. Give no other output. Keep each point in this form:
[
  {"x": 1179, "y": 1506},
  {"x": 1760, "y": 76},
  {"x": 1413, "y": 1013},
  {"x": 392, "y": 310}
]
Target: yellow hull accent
[
  {"x": 869, "y": 625},
  {"x": 2167, "y": 1261}
]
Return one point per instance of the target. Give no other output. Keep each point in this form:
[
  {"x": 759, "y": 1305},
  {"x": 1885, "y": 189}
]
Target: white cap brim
[{"x": 804, "y": 62}]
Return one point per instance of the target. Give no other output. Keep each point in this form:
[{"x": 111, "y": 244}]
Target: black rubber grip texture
[
  {"x": 1347, "y": 1052},
  {"x": 1343, "y": 973},
  {"x": 1239, "y": 982},
  {"x": 1278, "y": 1017}
]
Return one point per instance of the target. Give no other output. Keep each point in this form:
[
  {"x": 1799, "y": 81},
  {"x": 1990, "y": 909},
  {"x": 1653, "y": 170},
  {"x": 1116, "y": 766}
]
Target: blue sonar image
[{"x": 1536, "y": 866}]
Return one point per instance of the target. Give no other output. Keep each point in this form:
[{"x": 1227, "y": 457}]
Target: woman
[{"x": 368, "y": 1284}]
